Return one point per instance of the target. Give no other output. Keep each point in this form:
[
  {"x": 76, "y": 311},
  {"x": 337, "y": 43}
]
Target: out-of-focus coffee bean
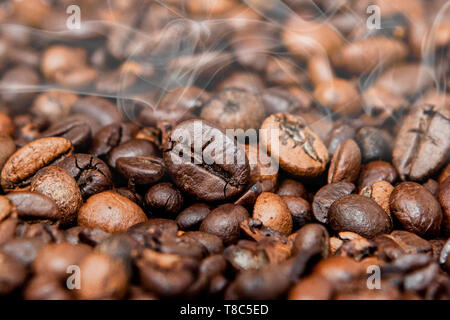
[
  {"x": 374, "y": 144},
  {"x": 444, "y": 200},
  {"x": 340, "y": 95},
  {"x": 313, "y": 237},
  {"x": 12, "y": 274},
  {"x": 338, "y": 136},
  {"x": 100, "y": 109},
  {"x": 78, "y": 132},
  {"x": 33, "y": 205},
  {"x": 247, "y": 81},
  {"x": 54, "y": 105},
  {"x": 6, "y": 125},
  {"x": 43, "y": 287},
  {"x": 320, "y": 70},
  {"x": 338, "y": 270},
  {"x": 432, "y": 186},
  {"x": 7, "y": 208},
  {"x": 109, "y": 137},
  {"x": 311, "y": 288}
]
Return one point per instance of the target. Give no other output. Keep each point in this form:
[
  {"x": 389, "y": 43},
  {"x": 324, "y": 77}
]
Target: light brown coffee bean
[
  {"x": 380, "y": 192},
  {"x": 340, "y": 96},
  {"x": 273, "y": 212}
]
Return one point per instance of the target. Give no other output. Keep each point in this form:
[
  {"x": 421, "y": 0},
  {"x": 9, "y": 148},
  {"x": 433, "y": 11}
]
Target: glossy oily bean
[
  {"x": 192, "y": 217},
  {"x": 110, "y": 212},
  {"x": 376, "y": 171},
  {"x": 289, "y": 187},
  {"x": 345, "y": 163},
  {"x": 204, "y": 162},
  {"x": 25, "y": 162},
  {"x": 298, "y": 150},
  {"x": 34, "y": 206},
  {"x": 300, "y": 210},
  {"x": 325, "y": 197},
  {"x": 132, "y": 148},
  {"x": 360, "y": 215},
  {"x": 164, "y": 198},
  {"x": 416, "y": 209},
  {"x": 109, "y": 137},
  {"x": 78, "y": 132},
  {"x": 141, "y": 170}
]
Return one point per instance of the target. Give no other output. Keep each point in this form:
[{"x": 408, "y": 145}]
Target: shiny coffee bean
[
  {"x": 300, "y": 210},
  {"x": 77, "y": 132},
  {"x": 376, "y": 171},
  {"x": 91, "y": 174},
  {"x": 416, "y": 209},
  {"x": 338, "y": 136},
  {"x": 214, "y": 169},
  {"x": 25, "y": 162},
  {"x": 109, "y": 137},
  {"x": 289, "y": 140},
  {"x": 110, "y": 212},
  {"x": 345, "y": 163},
  {"x": 444, "y": 200},
  {"x": 289, "y": 187},
  {"x": 360, "y": 215},
  {"x": 34, "y": 206},
  {"x": 273, "y": 212},
  {"x": 326, "y": 196},
  {"x": 422, "y": 145},
  {"x": 374, "y": 144},
  {"x": 141, "y": 170},
  {"x": 192, "y": 217},
  {"x": 132, "y": 148},
  {"x": 312, "y": 237},
  {"x": 164, "y": 198}
]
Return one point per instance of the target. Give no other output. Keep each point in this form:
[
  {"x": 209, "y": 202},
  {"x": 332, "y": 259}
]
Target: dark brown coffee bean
[
  {"x": 338, "y": 136},
  {"x": 273, "y": 212},
  {"x": 224, "y": 222},
  {"x": 416, "y": 209},
  {"x": 142, "y": 170},
  {"x": 91, "y": 174},
  {"x": 102, "y": 110},
  {"x": 311, "y": 288},
  {"x": 58, "y": 185},
  {"x": 130, "y": 195},
  {"x": 360, "y": 215},
  {"x": 444, "y": 258},
  {"x": 53, "y": 260},
  {"x": 379, "y": 192},
  {"x": 312, "y": 237},
  {"x": 444, "y": 174},
  {"x": 23, "y": 249},
  {"x": 290, "y": 141},
  {"x": 248, "y": 198},
  {"x": 444, "y": 200},
  {"x": 422, "y": 145},
  {"x": 205, "y": 162},
  {"x": 110, "y": 212},
  {"x": 211, "y": 242},
  {"x": 132, "y": 148},
  {"x": 374, "y": 144},
  {"x": 300, "y": 210},
  {"x": 234, "y": 109},
  {"x": 25, "y": 162},
  {"x": 110, "y": 137},
  {"x": 35, "y": 206},
  {"x": 325, "y": 197},
  {"x": 345, "y": 163},
  {"x": 46, "y": 288},
  {"x": 153, "y": 227},
  {"x": 192, "y": 217},
  {"x": 245, "y": 257},
  {"x": 376, "y": 171},
  {"x": 12, "y": 274},
  {"x": 432, "y": 186},
  {"x": 164, "y": 198},
  {"x": 8, "y": 147},
  {"x": 400, "y": 243},
  {"x": 289, "y": 187},
  {"x": 77, "y": 132},
  {"x": 103, "y": 277}
]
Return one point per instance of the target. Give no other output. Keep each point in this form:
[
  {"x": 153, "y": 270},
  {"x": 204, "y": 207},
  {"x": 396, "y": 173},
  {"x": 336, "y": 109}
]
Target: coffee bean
[
  {"x": 360, "y": 215},
  {"x": 340, "y": 96},
  {"x": 444, "y": 200},
  {"x": 164, "y": 198},
  {"x": 12, "y": 274},
  {"x": 380, "y": 192},
  {"x": 132, "y": 148},
  {"x": 7, "y": 208},
  {"x": 273, "y": 212},
  {"x": 211, "y": 242},
  {"x": 91, "y": 174},
  {"x": 23, "y": 250},
  {"x": 6, "y": 125},
  {"x": 326, "y": 196},
  {"x": 110, "y": 212},
  {"x": 262, "y": 167},
  {"x": 224, "y": 222},
  {"x": 234, "y": 109},
  {"x": 422, "y": 144},
  {"x": 53, "y": 105},
  {"x": 312, "y": 237},
  {"x": 289, "y": 140},
  {"x": 416, "y": 209},
  {"x": 311, "y": 288},
  {"x": 58, "y": 185},
  {"x": 130, "y": 195},
  {"x": 35, "y": 206},
  {"x": 214, "y": 169},
  {"x": 374, "y": 144},
  {"x": 276, "y": 100},
  {"x": 141, "y": 170},
  {"x": 338, "y": 270},
  {"x": 345, "y": 163},
  {"x": 25, "y": 162},
  {"x": 444, "y": 174},
  {"x": 289, "y": 187},
  {"x": 7, "y": 149},
  {"x": 376, "y": 171},
  {"x": 100, "y": 109},
  {"x": 432, "y": 186},
  {"x": 46, "y": 288},
  {"x": 77, "y": 132},
  {"x": 400, "y": 243},
  {"x": 444, "y": 258},
  {"x": 110, "y": 137},
  {"x": 338, "y": 136},
  {"x": 300, "y": 210},
  {"x": 192, "y": 217},
  {"x": 320, "y": 70}
]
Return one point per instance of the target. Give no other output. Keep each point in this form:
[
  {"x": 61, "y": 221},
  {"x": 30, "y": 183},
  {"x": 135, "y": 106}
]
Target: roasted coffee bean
[
  {"x": 422, "y": 145},
  {"x": 58, "y": 185},
  {"x": 192, "y": 217},
  {"x": 432, "y": 186},
  {"x": 245, "y": 257},
  {"x": 23, "y": 250},
  {"x": 311, "y": 288},
  {"x": 374, "y": 144},
  {"x": 164, "y": 198},
  {"x": 25, "y": 162},
  {"x": 54, "y": 105},
  {"x": 130, "y": 195},
  {"x": 289, "y": 187},
  {"x": 110, "y": 212},
  {"x": 376, "y": 171},
  {"x": 320, "y": 70},
  {"x": 12, "y": 274},
  {"x": 380, "y": 192},
  {"x": 338, "y": 270},
  {"x": 400, "y": 243},
  {"x": 300, "y": 210},
  {"x": 290, "y": 141},
  {"x": 102, "y": 110},
  {"x": 6, "y": 125},
  {"x": 339, "y": 95},
  {"x": 34, "y": 206},
  {"x": 262, "y": 167},
  {"x": 360, "y": 215},
  {"x": 338, "y": 136},
  {"x": 283, "y": 71},
  {"x": 204, "y": 162},
  {"x": 273, "y": 212},
  {"x": 444, "y": 200},
  {"x": 53, "y": 260},
  {"x": 248, "y": 198},
  {"x": 312, "y": 237},
  {"x": 247, "y": 81},
  {"x": 103, "y": 277},
  {"x": 110, "y": 137},
  {"x": 8, "y": 147},
  {"x": 444, "y": 258},
  {"x": 141, "y": 170},
  {"x": 325, "y": 197},
  {"x": 211, "y": 242},
  {"x": 278, "y": 100},
  {"x": 7, "y": 208},
  {"x": 153, "y": 227},
  {"x": 444, "y": 174},
  {"x": 416, "y": 209},
  {"x": 234, "y": 109},
  {"x": 224, "y": 222},
  {"x": 46, "y": 288},
  {"x": 132, "y": 148},
  {"x": 91, "y": 174},
  {"x": 345, "y": 163},
  {"x": 77, "y": 132}
]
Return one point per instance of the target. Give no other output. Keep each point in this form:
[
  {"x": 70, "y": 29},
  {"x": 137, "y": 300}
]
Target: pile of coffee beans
[{"x": 225, "y": 149}]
